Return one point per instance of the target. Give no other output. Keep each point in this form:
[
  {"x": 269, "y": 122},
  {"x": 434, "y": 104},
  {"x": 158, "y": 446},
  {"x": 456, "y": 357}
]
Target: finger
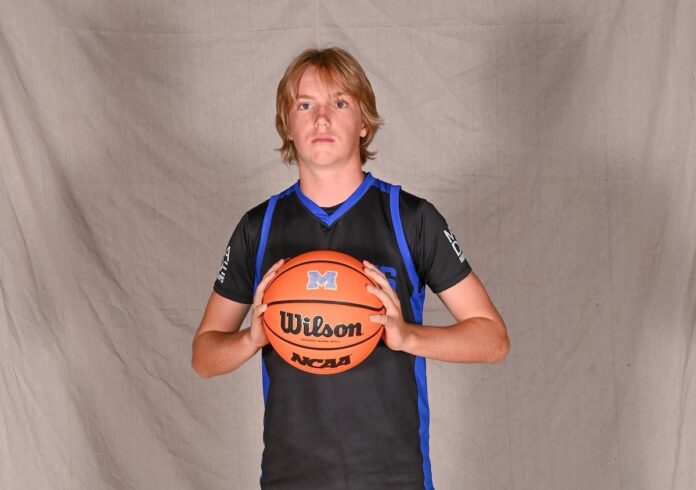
[
  {"x": 380, "y": 278},
  {"x": 259, "y": 310},
  {"x": 381, "y": 319},
  {"x": 373, "y": 267},
  {"x": 386, "y": 299},
  {"x": 261, "y": 288},
  {"x": 257, "y": 318},
  {"x": 383, "y": 283},
  {"x": 380, "y": 292},
  {"x": 257, "y": 331},
  {"x": 274, "y": 267},
  {"x": 377, "y": 275},
  {"x": 268, "y": 277}
]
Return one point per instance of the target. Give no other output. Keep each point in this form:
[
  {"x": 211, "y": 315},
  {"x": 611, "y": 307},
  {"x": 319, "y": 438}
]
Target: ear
[{"x": 363, "y": 132}]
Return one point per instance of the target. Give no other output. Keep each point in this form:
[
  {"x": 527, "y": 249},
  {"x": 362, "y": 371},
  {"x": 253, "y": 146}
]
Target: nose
[{"x": 322, "y": 116}]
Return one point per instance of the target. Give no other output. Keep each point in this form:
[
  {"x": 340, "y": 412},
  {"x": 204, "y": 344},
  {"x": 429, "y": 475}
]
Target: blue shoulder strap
[
  {"x": 264, "y": 238},
  {"x": 418, "y": 295}
]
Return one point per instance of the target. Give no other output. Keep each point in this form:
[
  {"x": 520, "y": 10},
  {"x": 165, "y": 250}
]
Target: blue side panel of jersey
[
  {"x": 417, "y": 298},
  {"x": 265, "y": 228},
  {"x": 424, "y": 414}
]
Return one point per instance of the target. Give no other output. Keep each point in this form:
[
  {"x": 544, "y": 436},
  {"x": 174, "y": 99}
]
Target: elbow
[
  {"x": 502, "y": 347},
  {"x": 501, "y": 352},
  {"x": 199, "y": 368},
  {"x": 198, "y": 364}
]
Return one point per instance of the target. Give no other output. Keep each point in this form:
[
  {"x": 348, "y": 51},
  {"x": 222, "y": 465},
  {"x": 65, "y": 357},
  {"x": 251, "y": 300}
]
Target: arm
[
  {"x": 219, "y": 346},
  {"x": 479, "y": 334}
]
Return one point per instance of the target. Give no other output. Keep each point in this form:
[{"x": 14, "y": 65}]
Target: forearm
[
  {"x": 216, "y": 353},
  {"x": 473, "y": 340}
]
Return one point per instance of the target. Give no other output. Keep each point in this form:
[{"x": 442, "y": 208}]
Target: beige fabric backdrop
[{"x": 557, "y": 137}]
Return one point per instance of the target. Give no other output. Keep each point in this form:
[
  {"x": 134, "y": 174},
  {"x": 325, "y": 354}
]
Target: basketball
[{"x": 318, "y": 312}]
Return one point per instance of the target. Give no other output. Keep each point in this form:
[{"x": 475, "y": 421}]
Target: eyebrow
[{"x": 335, "y": 94}]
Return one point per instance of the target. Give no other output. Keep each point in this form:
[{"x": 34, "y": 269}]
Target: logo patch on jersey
[
  {"x": 455, "y": 246},
  {"x": 320, "y": 363},
  {"x": 327, "y": 280},
  {"x": 223, "y": 266},
  {"x": 390, "y": 273},
  {"x": 295, "y": 324}
]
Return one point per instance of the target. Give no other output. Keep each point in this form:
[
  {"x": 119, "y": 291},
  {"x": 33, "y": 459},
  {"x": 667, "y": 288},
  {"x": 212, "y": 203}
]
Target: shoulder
[
  {"x": 254, "y": 216},
  {"x": 259, "y": 211},
  {"x": 409, "y": 204},
  {"x": 250, "y": 224}
]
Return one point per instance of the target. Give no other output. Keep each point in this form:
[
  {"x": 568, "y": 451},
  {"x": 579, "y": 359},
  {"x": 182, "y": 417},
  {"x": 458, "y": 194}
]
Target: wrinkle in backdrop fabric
[{"x": 557, "y": 138}]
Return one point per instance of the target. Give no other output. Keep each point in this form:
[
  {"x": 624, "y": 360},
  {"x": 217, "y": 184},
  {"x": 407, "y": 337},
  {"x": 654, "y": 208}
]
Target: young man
[{"x": 366, "y": 428}]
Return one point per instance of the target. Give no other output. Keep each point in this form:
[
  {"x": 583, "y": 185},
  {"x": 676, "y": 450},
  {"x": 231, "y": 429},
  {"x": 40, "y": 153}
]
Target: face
[{"x": 325, "y": 124}]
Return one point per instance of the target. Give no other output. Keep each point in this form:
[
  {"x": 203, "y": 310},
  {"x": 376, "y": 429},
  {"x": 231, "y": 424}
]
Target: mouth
[{"x": 322, "y": 139}]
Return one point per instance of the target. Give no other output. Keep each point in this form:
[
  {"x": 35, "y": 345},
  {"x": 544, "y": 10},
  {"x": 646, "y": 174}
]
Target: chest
[{"x": 365, "y": 232}]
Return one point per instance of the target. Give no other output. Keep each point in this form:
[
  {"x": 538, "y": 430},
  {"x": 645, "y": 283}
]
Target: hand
[
  {"x": 396, "y": 330},
  {"x": 256, "y": 330}
]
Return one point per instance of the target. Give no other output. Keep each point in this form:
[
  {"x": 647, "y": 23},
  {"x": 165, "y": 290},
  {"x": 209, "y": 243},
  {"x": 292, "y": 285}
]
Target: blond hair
[{"x": 334, "y": 66}]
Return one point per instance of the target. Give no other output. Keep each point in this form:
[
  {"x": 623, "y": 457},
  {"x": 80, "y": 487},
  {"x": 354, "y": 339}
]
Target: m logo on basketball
[{"x": 327, "y": 280}]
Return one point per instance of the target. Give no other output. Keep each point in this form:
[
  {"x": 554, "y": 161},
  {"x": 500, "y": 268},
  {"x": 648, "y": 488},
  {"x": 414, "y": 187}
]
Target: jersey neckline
[{"x": 329, "y": 219}]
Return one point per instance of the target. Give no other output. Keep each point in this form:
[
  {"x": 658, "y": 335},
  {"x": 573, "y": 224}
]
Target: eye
[
  {"x": 341, "y": 104},
  {"x": 303, "y": 106}
]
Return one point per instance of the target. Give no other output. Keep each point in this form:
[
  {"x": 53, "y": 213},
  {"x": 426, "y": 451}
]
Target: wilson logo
[
  {"x": 327, "y": 280},
  {"x": 295, "y": 324},
  {"x": 320, "y": 363}
]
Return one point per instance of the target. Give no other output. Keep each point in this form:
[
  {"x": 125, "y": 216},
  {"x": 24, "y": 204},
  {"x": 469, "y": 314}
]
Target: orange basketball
[{"x": 318, "y": 312}]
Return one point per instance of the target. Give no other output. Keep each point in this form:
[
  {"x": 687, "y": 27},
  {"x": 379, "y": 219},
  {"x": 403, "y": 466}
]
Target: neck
[{"x": 328, "y": 187}]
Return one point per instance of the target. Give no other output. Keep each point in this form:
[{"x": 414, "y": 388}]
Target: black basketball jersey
[{"x": 368, "y": 427}]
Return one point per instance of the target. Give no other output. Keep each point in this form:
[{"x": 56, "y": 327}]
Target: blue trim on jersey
[
  {"x": 267, "y": 218},
  {"x": 330, "y": 219},
  {"x": 424, "y": 415},
  {"x": 381, "y": 185},
  {"x": 265, "y": 380},
  {"x": 418, "y": 292},
  {"x": 417, "y": 298},
  {"x": 265, "y": 228}
]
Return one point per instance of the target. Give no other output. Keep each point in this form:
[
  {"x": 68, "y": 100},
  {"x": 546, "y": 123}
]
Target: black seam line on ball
[{"x": 327, "y": 302}]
